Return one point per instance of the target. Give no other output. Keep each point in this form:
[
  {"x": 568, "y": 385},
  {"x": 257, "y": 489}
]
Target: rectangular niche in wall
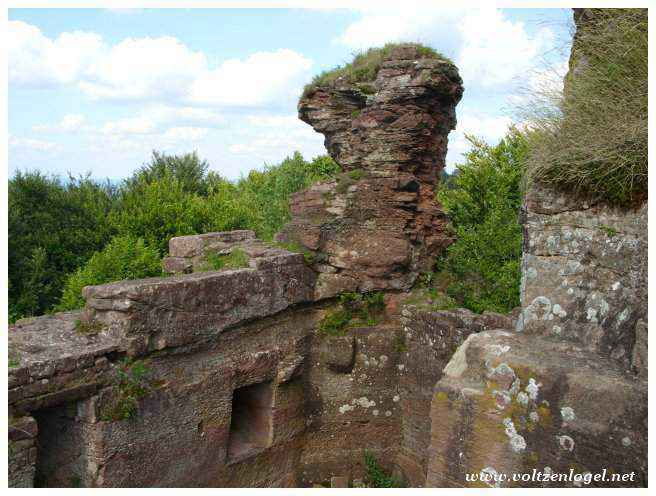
[{"x": 250, "y": 424}]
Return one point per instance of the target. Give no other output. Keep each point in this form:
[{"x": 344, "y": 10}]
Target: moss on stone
[{"x": 90, "y": 328}]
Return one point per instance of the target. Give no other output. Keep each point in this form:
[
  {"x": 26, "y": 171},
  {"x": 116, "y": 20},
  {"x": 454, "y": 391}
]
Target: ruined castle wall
[
  {"x": 353, "y": 402},
  {"x": 430, "y": 337},
  {"x": 584, "y": 273}
]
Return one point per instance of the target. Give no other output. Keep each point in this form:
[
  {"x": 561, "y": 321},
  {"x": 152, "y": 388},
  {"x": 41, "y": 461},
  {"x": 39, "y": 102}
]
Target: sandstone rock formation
[{"x": 378, "y": 224}]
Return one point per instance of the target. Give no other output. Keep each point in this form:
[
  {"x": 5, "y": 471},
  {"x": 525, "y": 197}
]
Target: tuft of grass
[
  {"x": 131, "y": 384},
  {"x": 236, "y": 259},
  {"x": 89, "y": 328},
  {"x": 353, "y": 309},
  {"x": 356, "y": 174},
  {"x": 364, "y": 67},
  {"x": 375, "y": 476},
  {"x": 309, "y": 256},
  {"x": 591, "y": 138}
]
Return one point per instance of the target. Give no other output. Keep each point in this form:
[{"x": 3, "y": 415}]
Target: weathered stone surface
[
  {"x": 153, "y": 314},
  {"x": 22, "y": 451},
  {"x": 189, "y": 253},
  {"x": 549, "y": 417},
  {"x": 428, "y": 342},
  {"x": 584, "y": 272},
  {"x": 181, "y": 430},
  {"x": 378, "y": 224},
  {"x": 56, "y": 360},
  {"x": 349, "y": 411}
]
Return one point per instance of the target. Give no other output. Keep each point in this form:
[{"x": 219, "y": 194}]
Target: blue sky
[{"x": 95, "y": 90}]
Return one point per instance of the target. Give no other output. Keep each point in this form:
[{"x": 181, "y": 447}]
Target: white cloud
[
  {"x": 151, "y": 69},
  {"x": 262, "y": 77},
  {"x": 188, "y": 116},
  {"x": 270, "y": 138},
  {"x": 70, "y": 123},
  {"x": 144, "y": 68},
  {"x": 131, "y": 125},
  {"x": 185, "y": 134},
  {"x": 35, "y": 60},
  {"x": 495, "y": 49},
  {"x": 379, "y": 26},
  {"x": 489, "y": 48},
  {"x": 32, "y": 144},
  {"x": 491, "y": 128}
]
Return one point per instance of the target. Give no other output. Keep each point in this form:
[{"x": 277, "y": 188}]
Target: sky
[{"x": 96, "y": 90}]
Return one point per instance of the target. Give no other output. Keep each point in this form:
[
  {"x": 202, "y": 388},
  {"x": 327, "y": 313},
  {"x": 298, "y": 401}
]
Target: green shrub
[
  {"x": 483, "y": 200},
  {"x": 54, "y": 227},
  {"x": 592, "y": 138},
  {"x": 124, "y": 257}
]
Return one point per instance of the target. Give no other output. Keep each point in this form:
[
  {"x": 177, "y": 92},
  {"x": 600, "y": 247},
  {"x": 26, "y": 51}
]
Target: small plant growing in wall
[
  {"x": 610, "y": 231},
  {"x": 375, "y": 476},
  {"x": 353, "y": 309},
  {"x": 131, "y": 384}
]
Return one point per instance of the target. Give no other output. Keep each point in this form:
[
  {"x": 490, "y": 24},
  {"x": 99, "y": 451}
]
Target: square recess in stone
[{"x": 250, "y": 423}]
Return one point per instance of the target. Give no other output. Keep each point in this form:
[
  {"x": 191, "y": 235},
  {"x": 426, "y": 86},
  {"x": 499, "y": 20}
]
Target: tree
[{"x": 483, "y": 201}]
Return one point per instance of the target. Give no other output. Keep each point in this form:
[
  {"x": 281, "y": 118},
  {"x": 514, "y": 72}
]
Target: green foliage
[
  {"x": 125, "y": 257},
  {"x": 375, "y": 476},
  {"x": 159, "y": 210},
  {"x": 188, "y": 170},
  {"x": 356, "y": 174},
  {"x": 54, "y": 227},
  {"x": 365, "y": 66},
  {"x": 592, "y": 138},
  {"x": 483, "y": 265},
  {"x": 131, "y": 384},
  {"x": 353, "y": 309},
  {"x": 265, "y": 195},
  {"x": 610, "y": 231}
]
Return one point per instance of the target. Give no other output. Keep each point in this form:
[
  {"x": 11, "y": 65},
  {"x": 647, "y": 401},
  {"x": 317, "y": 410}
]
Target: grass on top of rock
[
  {"x": 88, "y": 328},
  {"x": 236, "y": 259},
  {"x": 309, "y": 256},
  {"x": 353, "y": 310},
  {"x": 591, "y": 138},
  {"x": 365, "y": 66}
]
